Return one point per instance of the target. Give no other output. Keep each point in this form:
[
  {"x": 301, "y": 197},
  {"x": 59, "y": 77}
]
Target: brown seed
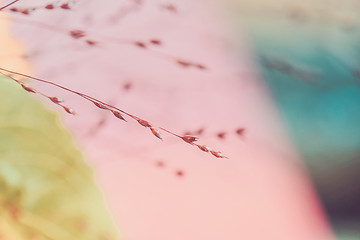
[
  {"x": 144, "y": 123},
  {"x": 204, "y": 148},
  {"x": 179, "y": 173},
  {"x": 50, "y": 6},
  {"x": 183, "y": 63},
  {"x": 240, "y": 131},
  {"x": 68, "y": 110},
  {"x": 155, "y": 41},
  {"x": 77, "y": 34},
  {"x": 56, "y": 100},
  {"x": 127, "y": 86},
  {"x": 27, "y": 11},
  {"x": 171, "y": 8},
  {"x": 140, "y": 44},
  {"x": 160, "y": 164},
  {"x": 189, "y": 139},
  {"x": 200, "y": 66},
  {"x": 156, "y": 132},
  {"x": 218, "y": 154},
  {"x": 118, "y": 115},
  {"x": 90, "y": 42},
  {"x": 67, "y": 5},
  {"x": 221, "y": 135},
  {"x": 29, "y": 89},
  {"x": 100, "y": 105}
]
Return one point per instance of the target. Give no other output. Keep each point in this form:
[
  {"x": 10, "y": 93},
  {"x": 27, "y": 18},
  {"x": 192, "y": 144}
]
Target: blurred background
[
  {"x": 308, "y": 55},
  {"x": 274, "y": 85}
]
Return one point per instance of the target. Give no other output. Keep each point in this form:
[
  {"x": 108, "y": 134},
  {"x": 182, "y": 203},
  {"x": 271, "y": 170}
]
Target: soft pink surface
[{"x": 261, "y": 192}]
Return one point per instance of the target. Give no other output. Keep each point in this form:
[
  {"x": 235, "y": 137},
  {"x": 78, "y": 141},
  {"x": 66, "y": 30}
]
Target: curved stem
[{"x": 85, "y": 96}]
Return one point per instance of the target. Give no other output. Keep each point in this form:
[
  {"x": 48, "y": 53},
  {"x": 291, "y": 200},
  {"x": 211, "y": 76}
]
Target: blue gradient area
[{"x": 318, "y": 95}]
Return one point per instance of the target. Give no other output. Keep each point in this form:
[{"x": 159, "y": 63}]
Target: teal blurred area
[
  {"x": 309, "y": 58},
  {"x": 321, "y": 108}
]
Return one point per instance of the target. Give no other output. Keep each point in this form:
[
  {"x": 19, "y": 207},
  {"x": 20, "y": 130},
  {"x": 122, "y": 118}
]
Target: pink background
[{"x": 261, "y": 192}]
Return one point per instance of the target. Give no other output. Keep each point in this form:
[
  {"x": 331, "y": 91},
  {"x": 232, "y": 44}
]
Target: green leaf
[{"x": 47, "y": 191}]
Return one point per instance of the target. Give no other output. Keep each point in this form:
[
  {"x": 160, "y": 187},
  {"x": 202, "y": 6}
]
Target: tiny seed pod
[
  {"x": 160, "y": 164},
  {"x": 67, "y": 5},
  {"x": 77, "y": 33},
  {"x": 200, "y": 66},
  {"x": 90, "y": 42},
  {"x": 204, "y": 148},
  {"x": 29, "y": 89},
  {"x": 50, "y": 6},
  {"x": 144, "y": 123},
  {"x": 118, "y": 115},
  {"x": 171, "y": 8},
  {"x": 100, "y": 105},
  {"x": 218, "y": 154},
  {"x": 221, "y": 135},
  {"x": 27, "y": 11},
  {"x": 14, "y": 9},
  {"x": 240, "y": 131},
  {"x": 127, "y": 86},
  {"x": 183, "y": 63},
  {"x": 140, "y": 44},
  {"x": 155, "y": 41},
  {"x": 179, "y": 173},
  {"x": 156, "y": 132},
  {"x": 189, "y": 139},
  {"x": 68, "y": 110},
  {"x": 56, "y": 100}
]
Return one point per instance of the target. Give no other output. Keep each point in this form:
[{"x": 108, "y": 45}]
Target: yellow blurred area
[{"x": 12, "y": 49}]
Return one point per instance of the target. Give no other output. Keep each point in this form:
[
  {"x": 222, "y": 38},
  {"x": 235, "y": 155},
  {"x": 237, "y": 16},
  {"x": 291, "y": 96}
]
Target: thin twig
[{"x": 8, "y": 5}]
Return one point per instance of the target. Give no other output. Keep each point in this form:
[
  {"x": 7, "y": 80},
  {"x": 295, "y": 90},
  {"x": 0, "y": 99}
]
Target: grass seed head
[
  {"x": 67, "y": 5},
  {"x": 189, "y": 139},
  {"x": 27, "y": 88},
  {"x": 218, "y": 154},
  {"x": 204, "y": 148},
  {"x": 68, "y": 110},
  {"x": 156, "y": 132},
  {"x": 140, "y": 44},
  {"x": 100, "y": 105},
  {"x": 56, "y": 100},
  {"x": 144, "y": 123},
  {"x": 77, "y": 33},
  {"x": 155, "y": 41},
  {"x": 118, "y": 115}
]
